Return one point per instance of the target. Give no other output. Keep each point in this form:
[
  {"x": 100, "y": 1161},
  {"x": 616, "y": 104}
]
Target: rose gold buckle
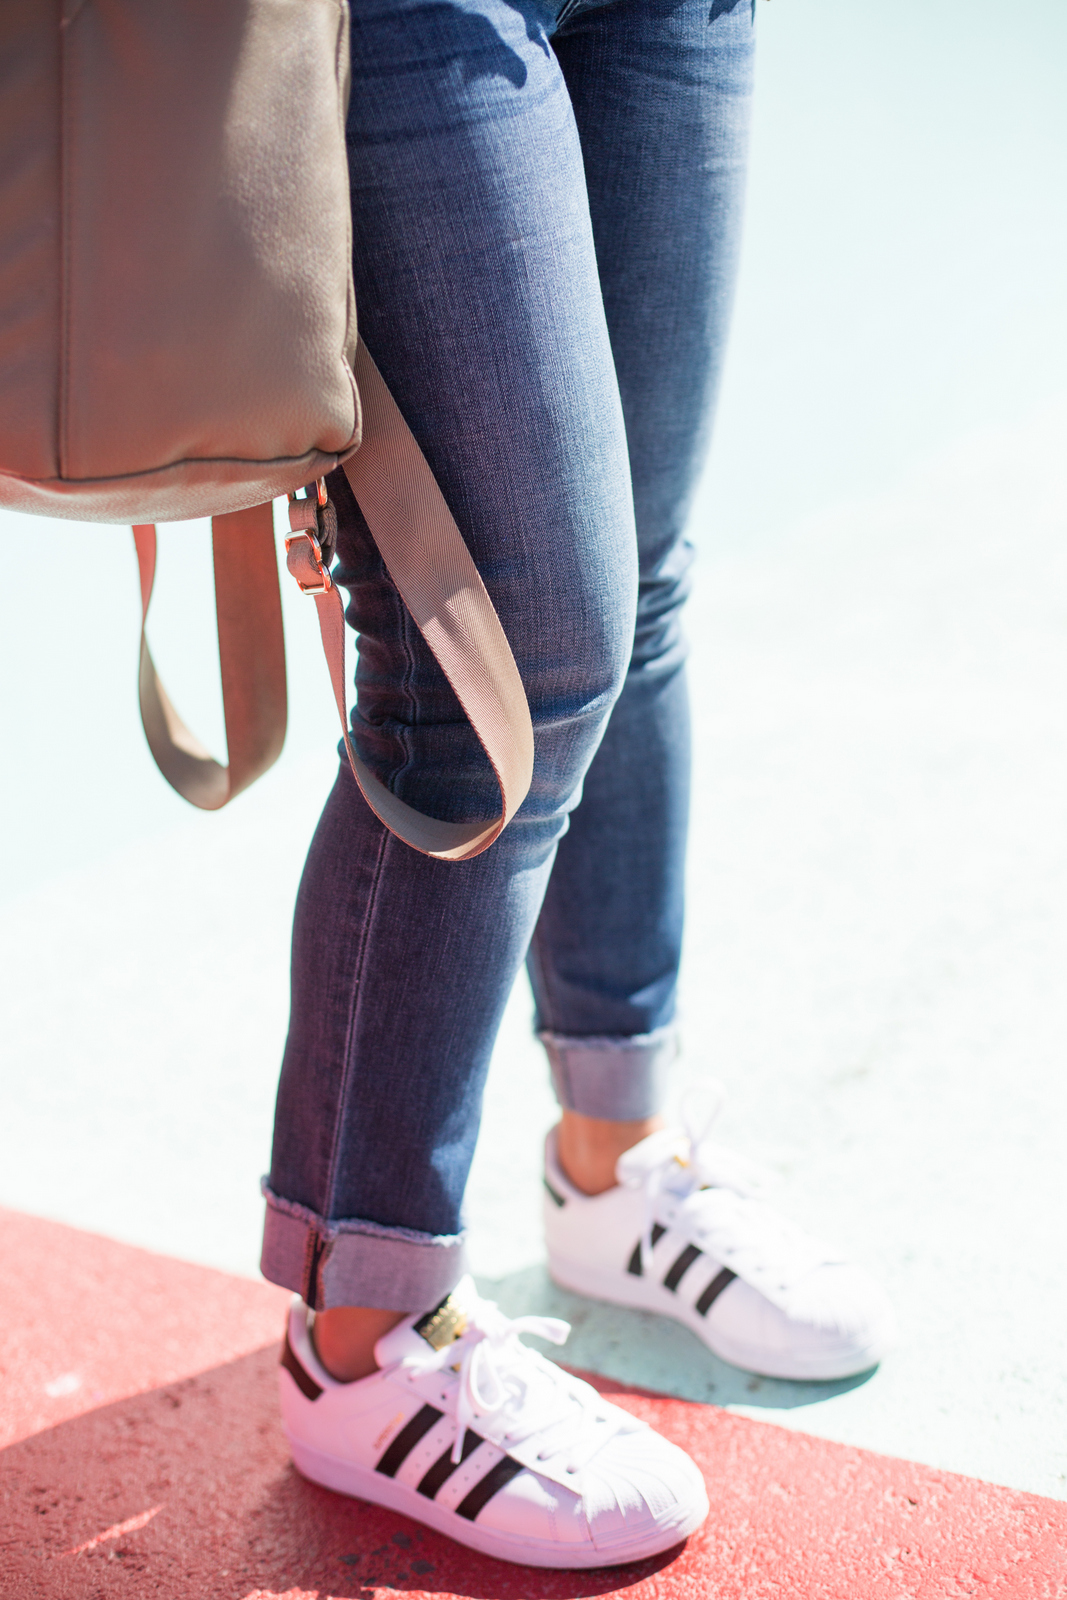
[
  {"x": 325, "y": 582},
  {"x": 321, "y": 493},
  {"x": 303, "y": 517}
]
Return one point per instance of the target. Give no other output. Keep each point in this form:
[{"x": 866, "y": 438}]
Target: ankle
[
  {"x": 344, "y": 1337},
  {"x": 589, "y": 1147}
]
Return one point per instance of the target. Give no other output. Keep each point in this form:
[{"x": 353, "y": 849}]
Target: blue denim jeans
[{"x": 546, "y": 200}]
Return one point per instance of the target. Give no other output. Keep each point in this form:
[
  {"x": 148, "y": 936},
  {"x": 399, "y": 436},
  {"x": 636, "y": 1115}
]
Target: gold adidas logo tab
[{"x": 444, "y": 1325}]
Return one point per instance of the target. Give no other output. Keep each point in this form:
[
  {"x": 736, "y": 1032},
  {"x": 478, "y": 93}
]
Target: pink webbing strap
[
  {"x": 432, "y": 568},
  {"x": 252, "y": 657}
]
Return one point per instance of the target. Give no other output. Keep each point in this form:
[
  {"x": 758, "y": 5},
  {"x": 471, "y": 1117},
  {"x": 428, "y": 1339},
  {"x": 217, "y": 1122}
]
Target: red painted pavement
[{"x": 143, "y": 1458}]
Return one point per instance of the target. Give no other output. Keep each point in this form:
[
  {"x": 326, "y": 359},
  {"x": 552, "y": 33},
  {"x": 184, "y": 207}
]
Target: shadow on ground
[
  {"x": 187, "y": 1491},
  {"x": 648, "y": 1351}
]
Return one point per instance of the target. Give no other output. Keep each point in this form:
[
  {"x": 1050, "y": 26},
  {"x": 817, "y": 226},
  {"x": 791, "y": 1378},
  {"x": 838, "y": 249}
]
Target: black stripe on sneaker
[
  {"x": 681, "y": 1266},
  {"x": 557, "y": 1197},
  {"x": 483, "y": 1491},
  {"x": 721, "y": 1281},
  {"x": 634, "y": 1265},
  {"x": 444, "y": 1466},
  {"x": 407, "y": 1439},
  {"x": 299, "y": 1374}
]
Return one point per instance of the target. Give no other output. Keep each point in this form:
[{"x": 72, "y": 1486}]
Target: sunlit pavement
[
  {"x": 154, "y": 1466},
  {"x": 878, "y": 937}
]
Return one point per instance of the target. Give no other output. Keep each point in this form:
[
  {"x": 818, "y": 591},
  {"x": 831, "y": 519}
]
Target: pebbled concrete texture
[{"x": 154, "y": 1464}]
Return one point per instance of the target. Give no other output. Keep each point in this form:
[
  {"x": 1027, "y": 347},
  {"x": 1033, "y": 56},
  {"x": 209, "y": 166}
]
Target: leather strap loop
[
  {"x": 252, "y": 657},
  {"x": 432, "y": 568}
]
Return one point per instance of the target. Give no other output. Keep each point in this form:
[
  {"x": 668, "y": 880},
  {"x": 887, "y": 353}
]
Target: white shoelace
[
  {"x": 715, "y": 1196},
  {"x": 503, "y": 1382}
]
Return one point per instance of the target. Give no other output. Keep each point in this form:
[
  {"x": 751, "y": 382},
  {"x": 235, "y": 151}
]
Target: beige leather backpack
[{"x": 178, "y": 339}]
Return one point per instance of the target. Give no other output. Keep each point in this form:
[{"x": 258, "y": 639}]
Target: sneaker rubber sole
[
  {"x": 345, "y": 1477},
  {"x": 647, "y": 1294}
]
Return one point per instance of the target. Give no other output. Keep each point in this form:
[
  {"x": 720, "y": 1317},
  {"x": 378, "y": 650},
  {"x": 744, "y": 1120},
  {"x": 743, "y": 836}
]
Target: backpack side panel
[
  {"x": 29, "y": 236},
  {"x": 206, "y": 219}
]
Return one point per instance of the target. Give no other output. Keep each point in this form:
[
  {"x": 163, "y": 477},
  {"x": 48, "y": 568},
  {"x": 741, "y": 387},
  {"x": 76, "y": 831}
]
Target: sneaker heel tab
[
  {"x": 656, "y": 1150},
  {"x": 301, "y": 1352},
  {"x": 297, "y": 1371},
  {"x": 555, "y": 1180}
]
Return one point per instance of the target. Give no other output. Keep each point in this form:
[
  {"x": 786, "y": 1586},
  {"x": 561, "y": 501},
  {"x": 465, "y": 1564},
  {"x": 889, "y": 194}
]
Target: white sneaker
[
  {"x": 684, "y": 1234},
  {"x": 469, "y": 1431}
]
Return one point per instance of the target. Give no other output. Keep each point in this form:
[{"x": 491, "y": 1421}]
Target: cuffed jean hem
[
  {"x": 621, "y": 1079},
  {"x": 356, "y": 1263}
]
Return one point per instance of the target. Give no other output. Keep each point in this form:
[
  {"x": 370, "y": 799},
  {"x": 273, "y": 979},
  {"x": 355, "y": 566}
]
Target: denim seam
[
  {"x": 353, "y": 1009},
  {"x": 543, "y": 967},
  {"x": 566, "y": 9},
  {"x": 402, "y": 736}
]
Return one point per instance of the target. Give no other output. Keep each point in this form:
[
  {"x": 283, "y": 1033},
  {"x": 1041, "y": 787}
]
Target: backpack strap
[
  {"x": 432, "y": 568},
  {"x": 252, "y": 657}
]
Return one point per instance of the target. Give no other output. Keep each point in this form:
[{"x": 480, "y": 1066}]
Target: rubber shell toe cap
[
  {"x": 643, "y": 1489},
  {"x": 835, "y": 1322}
]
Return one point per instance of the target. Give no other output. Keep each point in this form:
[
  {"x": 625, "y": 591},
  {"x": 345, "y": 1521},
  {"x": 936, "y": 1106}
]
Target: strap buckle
[{"x": 310, "y": 545}]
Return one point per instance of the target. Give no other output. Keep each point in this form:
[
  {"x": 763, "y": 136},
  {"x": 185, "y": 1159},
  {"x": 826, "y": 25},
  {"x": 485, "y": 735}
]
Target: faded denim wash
[{"x": 546, "y": 204}]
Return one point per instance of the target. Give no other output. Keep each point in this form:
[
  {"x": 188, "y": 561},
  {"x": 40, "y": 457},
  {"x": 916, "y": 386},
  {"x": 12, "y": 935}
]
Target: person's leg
[
  {"x": 478, "y": 295},
  {"x": 661, "y": 98},
  {"x": 660, "y": 90}
]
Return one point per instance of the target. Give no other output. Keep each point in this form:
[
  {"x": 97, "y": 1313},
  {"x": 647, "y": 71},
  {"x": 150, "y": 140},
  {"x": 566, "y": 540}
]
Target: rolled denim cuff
[
  {"x": 357, "y": 1263},
  {"x": 621, "y": 1079}
]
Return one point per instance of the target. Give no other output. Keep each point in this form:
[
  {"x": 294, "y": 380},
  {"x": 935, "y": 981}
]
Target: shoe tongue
[
  {"x": 437, "y": 1328},
  {"x": 635, "y": 1164}
]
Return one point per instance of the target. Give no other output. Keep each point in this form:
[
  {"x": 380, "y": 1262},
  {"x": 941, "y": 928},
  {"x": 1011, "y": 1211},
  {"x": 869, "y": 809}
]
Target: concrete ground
[
  {"x": 878, "y": 929},
  {"x": 154, "y": 1465}
]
